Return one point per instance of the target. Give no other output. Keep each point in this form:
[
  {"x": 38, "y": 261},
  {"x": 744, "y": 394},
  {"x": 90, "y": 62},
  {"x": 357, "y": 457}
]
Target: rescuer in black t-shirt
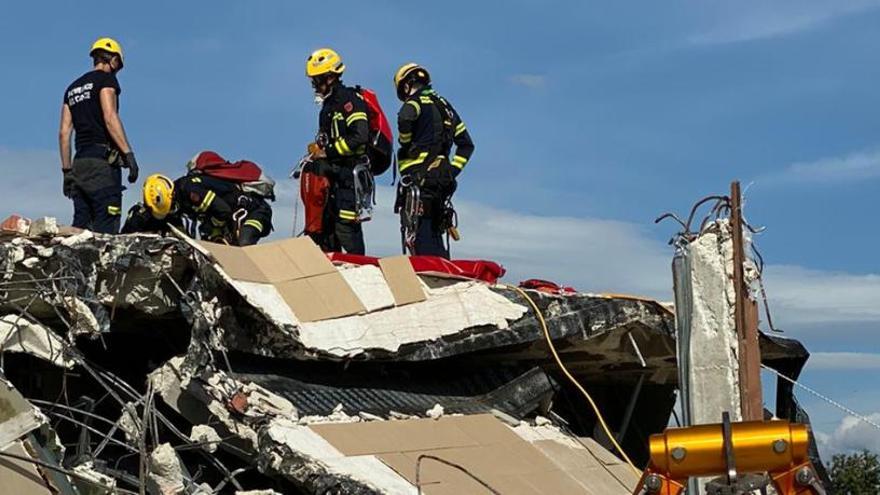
[{"x": 90, "y": 109}]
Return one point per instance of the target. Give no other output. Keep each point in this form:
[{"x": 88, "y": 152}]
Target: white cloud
[
  {"x": 755, "y": 20},
  {"x": 800, "y": 295},
  {"x": 532, "y": 81},
  {"x": 852, "y": 167},
  {"x": 851, "y": 435},
  {"x": 32, "y": 185},
  {"x": 843, "y": 361}
]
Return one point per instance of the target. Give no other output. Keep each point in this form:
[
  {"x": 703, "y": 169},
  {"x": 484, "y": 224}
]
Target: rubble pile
[{"x": 148, "y": 364}]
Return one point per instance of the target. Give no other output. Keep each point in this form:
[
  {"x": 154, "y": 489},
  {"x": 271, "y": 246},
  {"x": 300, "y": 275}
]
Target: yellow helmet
[
  {"x": 324, "y": 61},
  {"x": 109, "y": 45},
  {"x": 407, "y": 72},
  {"x": 158, "y": 195}
]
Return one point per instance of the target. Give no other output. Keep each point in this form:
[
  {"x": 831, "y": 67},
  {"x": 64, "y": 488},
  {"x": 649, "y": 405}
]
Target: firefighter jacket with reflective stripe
[
  {"x": 343, "y": 122},
  {"x": 211, "y": 198},
  {"x": 428, "y": 126}
]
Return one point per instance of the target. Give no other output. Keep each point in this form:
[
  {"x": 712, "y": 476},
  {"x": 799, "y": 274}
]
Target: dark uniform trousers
[
  {"x": 342, "y": 230},
  {"x": 437, "y": 187},
  {"x": 97, "y": 195}
]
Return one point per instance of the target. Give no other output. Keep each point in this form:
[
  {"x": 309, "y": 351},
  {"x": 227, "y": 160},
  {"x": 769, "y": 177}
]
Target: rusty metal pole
[{"x": 746, "y": 317}]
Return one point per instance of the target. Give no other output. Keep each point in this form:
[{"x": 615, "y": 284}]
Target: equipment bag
[
  {"x": 314, "y": 189},
  {"x": 380, "y": 146},
  {"x": 247, "y": 174}
]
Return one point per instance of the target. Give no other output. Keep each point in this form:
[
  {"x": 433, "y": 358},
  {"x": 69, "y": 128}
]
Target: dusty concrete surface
[{"x": 158, "y": 370}]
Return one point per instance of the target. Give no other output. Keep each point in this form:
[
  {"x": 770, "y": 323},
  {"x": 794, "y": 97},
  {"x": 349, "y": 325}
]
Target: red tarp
[{"x": 487, "y": 271}]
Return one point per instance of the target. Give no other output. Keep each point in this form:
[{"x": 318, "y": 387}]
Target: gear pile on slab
[{"x": 150, "y": 364}]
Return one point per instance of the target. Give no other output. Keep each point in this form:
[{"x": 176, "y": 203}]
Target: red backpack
[
  {"x": 379, "y": 149},
  {"x": 243, "y": 172}
]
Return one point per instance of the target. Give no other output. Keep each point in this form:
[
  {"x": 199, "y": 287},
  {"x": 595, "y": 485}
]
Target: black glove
[
  {"x": 132, "y": 165},
  {"x": 67, "y": 186}
]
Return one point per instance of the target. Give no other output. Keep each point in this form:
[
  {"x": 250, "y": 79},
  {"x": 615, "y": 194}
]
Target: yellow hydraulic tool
[{"x": 777, "y": 448}]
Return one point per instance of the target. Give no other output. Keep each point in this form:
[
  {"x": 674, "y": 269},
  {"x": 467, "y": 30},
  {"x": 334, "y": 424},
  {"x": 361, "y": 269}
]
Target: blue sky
[{"x": 590, "y": 118}]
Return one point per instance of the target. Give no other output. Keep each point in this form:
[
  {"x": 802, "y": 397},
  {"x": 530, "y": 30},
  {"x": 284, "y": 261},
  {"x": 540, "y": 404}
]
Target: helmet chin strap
[{"x": 319, "y": 96}]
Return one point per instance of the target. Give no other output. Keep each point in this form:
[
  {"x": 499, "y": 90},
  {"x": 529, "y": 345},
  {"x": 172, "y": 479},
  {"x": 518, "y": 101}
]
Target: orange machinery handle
[{"x": 778, "y": 448}]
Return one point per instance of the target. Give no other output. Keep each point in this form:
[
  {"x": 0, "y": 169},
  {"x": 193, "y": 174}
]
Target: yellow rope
[{"x": 571, "y": 378}]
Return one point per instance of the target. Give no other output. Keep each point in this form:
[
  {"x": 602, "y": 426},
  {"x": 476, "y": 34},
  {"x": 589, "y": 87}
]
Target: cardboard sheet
[
  {"x": 21, "y": 477},
  {"x": 303, "y": 276},
  {"x": 488, "y": 450},
  {"x": 402, "y": 280}
]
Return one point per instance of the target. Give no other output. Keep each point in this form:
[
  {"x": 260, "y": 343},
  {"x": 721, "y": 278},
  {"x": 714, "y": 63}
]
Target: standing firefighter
[
  {"x": 341, "y": 145},
  {"x": 90, "y": 109},
  {"x": 428, "y": 127}
]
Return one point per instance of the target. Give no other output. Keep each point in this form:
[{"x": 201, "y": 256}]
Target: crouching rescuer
[
  {"x": 90, "y": 109},
  {"x": 428, "y": 127},
  {"x": 228, "y": 200},
  {"x": 156, "y": 211}
]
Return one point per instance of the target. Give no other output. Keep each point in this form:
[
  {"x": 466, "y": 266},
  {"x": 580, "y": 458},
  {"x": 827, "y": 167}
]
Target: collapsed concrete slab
[{"x": 137, "y": 342}]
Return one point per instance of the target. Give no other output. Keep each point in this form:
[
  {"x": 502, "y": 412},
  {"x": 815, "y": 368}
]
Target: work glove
[
  {"x": 314, "y": 148},
  {"x": 132, "y": 166},
  {"x": 67, "y": 186}
]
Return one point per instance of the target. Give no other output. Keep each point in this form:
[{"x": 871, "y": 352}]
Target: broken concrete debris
[{"x": 140, "y": 362}]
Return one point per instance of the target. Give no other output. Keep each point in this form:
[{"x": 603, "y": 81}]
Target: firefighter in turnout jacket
[
  {"x": 90, "y": 110},
  {"x": 226, "y": 212},
  {"x": 341, "y": 145},
  {"x": 428, "y": 127},
  {"x": 156, "y": 211}
]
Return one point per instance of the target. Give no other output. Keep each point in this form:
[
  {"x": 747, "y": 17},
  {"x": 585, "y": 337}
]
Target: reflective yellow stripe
[
  {"x": 217, "y": 222},
  {"x": 355, "y": 117},
  {"x": 415, "y": 105},
  {"x": 196, "y": 179},
  {"x": 113, "y": 210},
  {"x": 458, "y": 161},
  {"x": 405, "y": 137},
  {"x": 254, "y": 223},
  {"x": 460, "y": 128},
  {"x": 426, "y": 100},
  {"x": 206, "y": 203},
  {"x": 405, "y": 164},
  {"x": 342, "y": 147},
  {"x": 347, "y": 215}
]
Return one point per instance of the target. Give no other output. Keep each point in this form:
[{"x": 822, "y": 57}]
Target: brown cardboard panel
[
  {"x": 306, "y": 255},
  {"x": 625, "y": 476},
  {"x": 402, "y": 279},
  {"x": 515, "y": 458},
  {"x": 465, "y": 486},
  {"x": 484, "y": 429},
  {"x": 606, "y": 457},
  {"x": 489, "y": 464},
  {"x": 393, "y": 436},
  {"x": 235, "y": 262},
  {"x": 321, "y": 297},
  {"x": 20, "y": 477},
  {"x": 430, "y": 470},
  {"x": 555, "y": 482},
  {"x": 273, "y": 262},
  {"x": 598, "y": 481},
  {"x": 565, "y": 457}
]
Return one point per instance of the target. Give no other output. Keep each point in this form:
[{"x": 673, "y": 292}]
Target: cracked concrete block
[
  {"x": 166, "y": 472},
  {"x": 206, "y": 436},
  {"x": 44, "y": 227}
]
